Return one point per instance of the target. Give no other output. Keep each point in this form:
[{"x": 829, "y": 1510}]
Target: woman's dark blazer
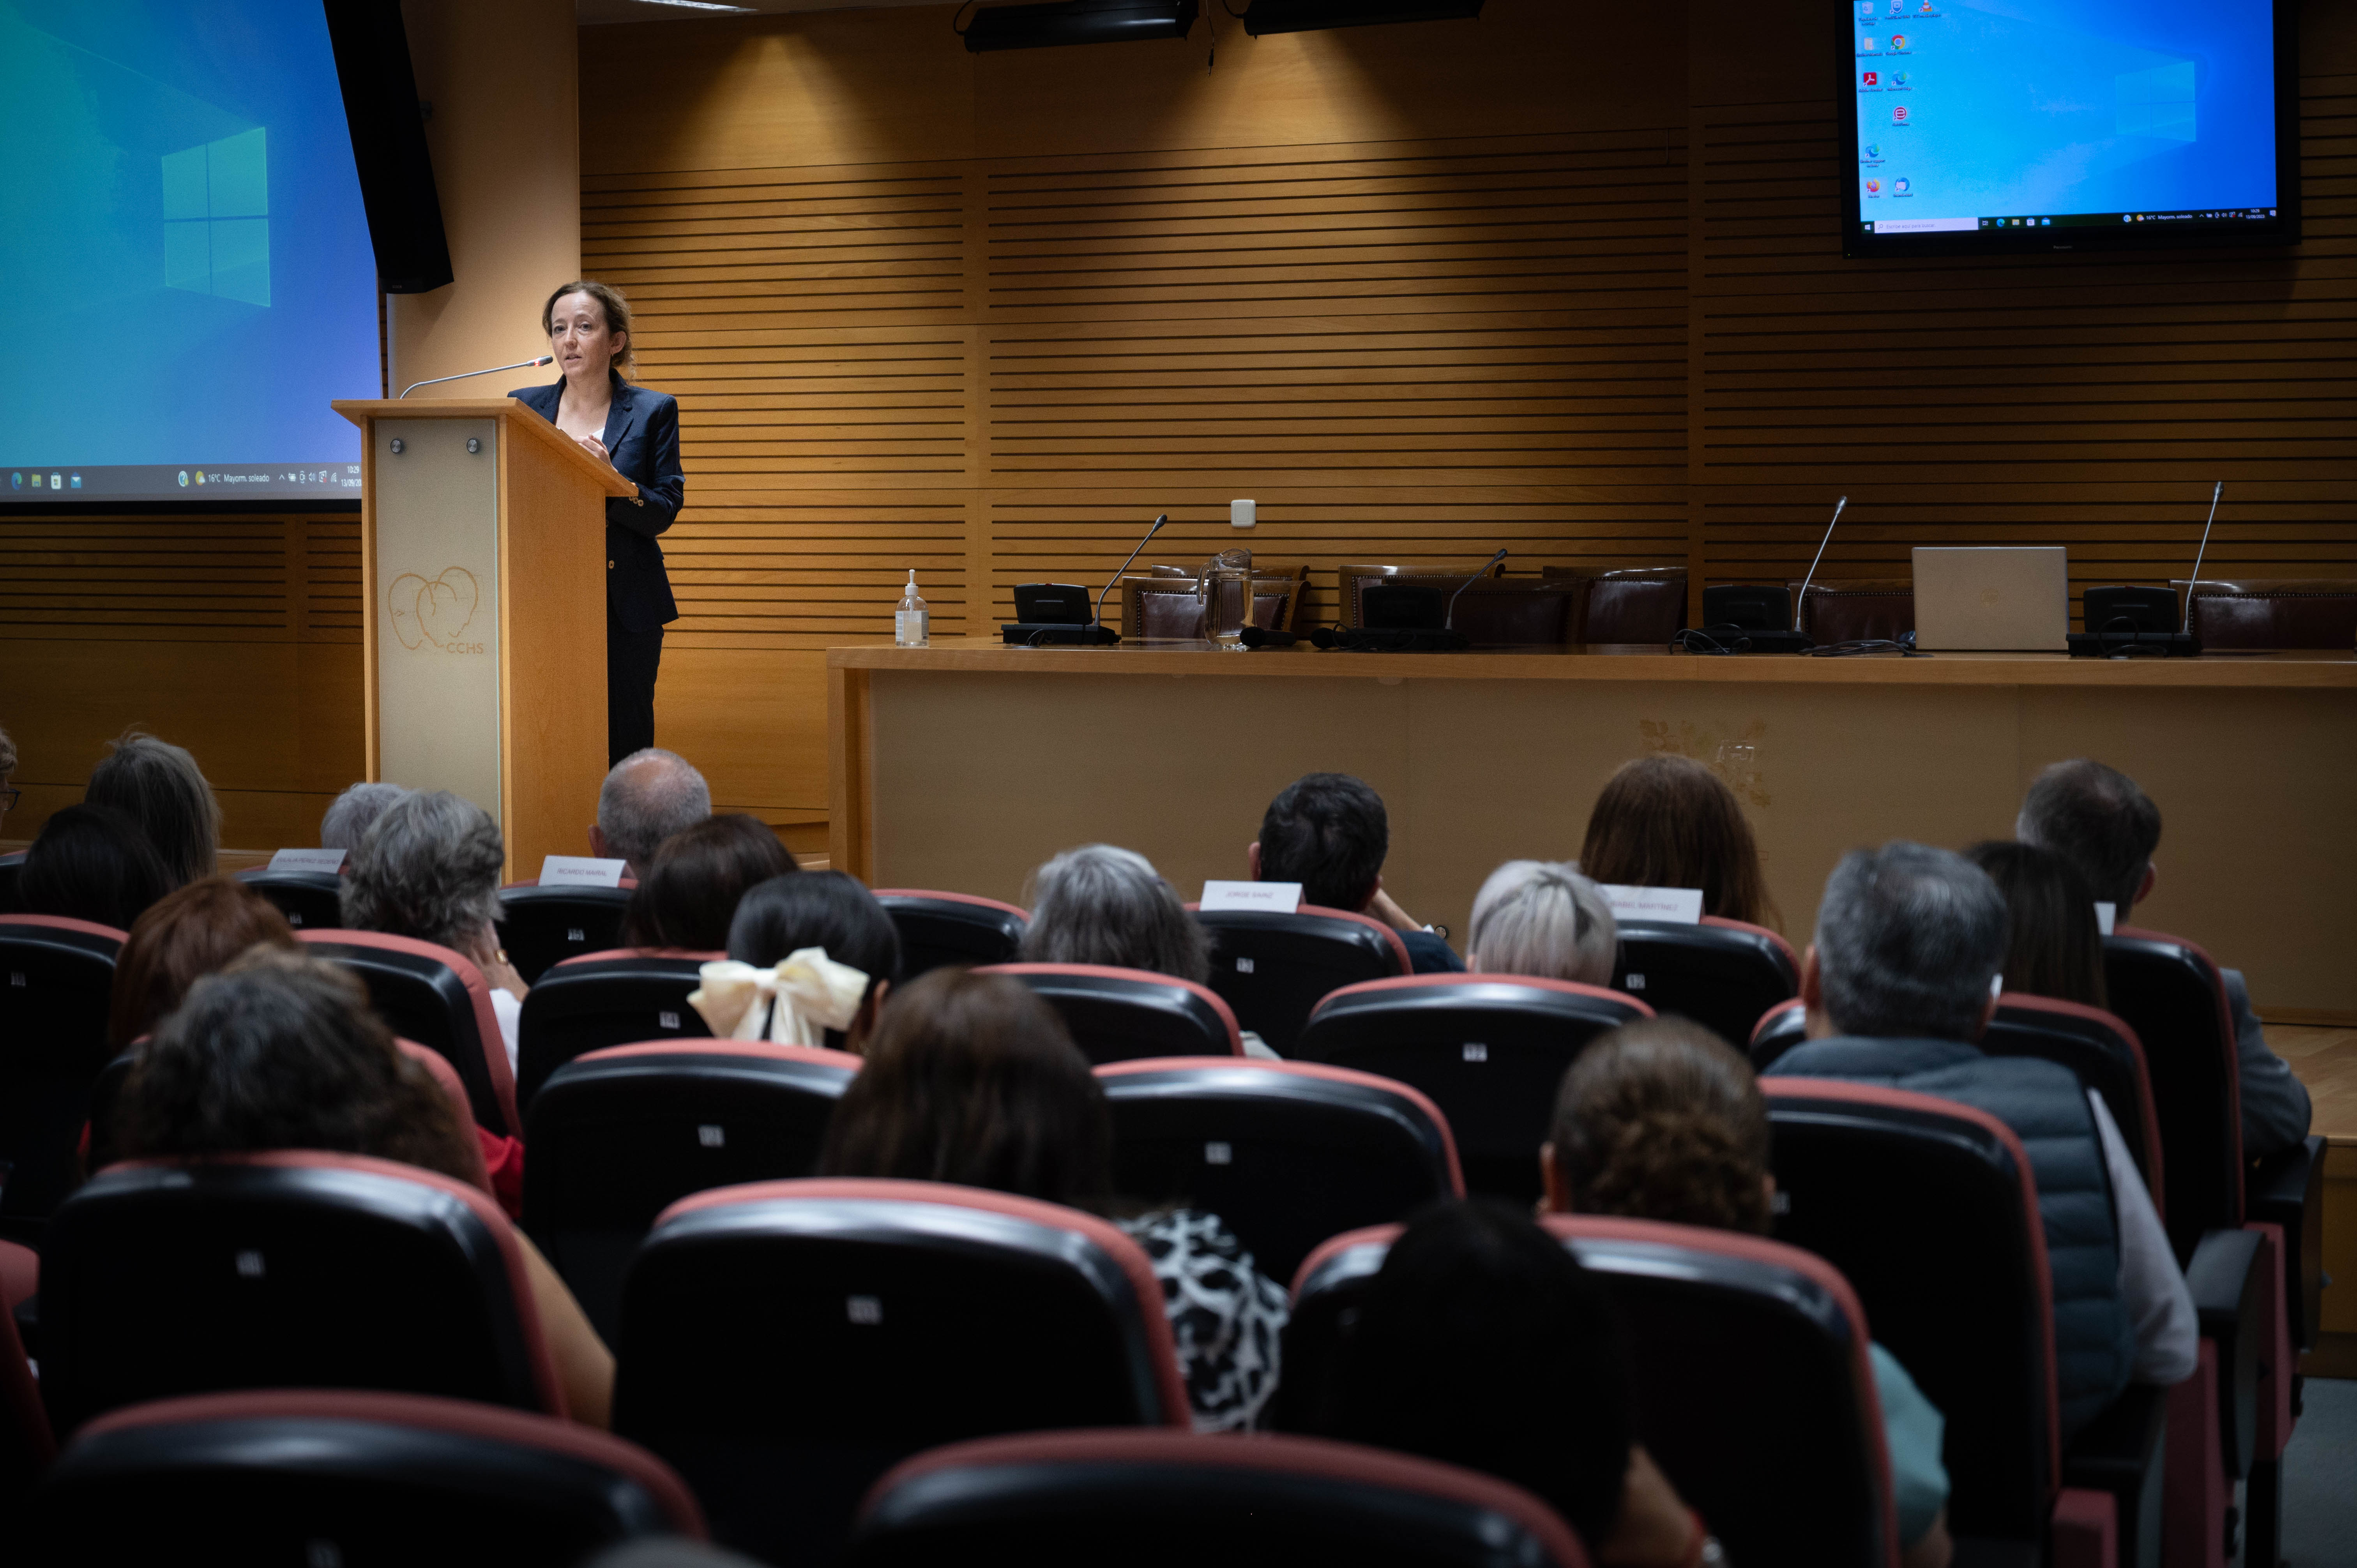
[{"x": 642, "y": 438}]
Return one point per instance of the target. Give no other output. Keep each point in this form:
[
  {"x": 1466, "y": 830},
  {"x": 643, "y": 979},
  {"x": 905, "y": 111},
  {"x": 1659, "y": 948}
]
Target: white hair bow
[{"x": 805, "y": 995}]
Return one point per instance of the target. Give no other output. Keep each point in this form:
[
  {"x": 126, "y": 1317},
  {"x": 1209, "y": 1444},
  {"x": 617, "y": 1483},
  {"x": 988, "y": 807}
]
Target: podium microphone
[
  {"x": 1819, "y": 555},
  {"x": 1449, "y": 621},
  {"x": 2194, "y": 586},
  {"x": 489, "y": 370},
  {"x": 1096, "y": 617}
]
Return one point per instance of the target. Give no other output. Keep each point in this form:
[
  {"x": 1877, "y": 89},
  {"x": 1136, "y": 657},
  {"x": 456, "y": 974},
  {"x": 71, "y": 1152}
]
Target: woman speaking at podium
[{"x": 635, "y": 431}]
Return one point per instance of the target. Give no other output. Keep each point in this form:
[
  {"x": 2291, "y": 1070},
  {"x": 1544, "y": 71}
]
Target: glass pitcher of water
[{"x": 1224, "y": 589}]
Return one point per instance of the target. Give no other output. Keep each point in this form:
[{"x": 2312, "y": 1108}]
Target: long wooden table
[{"x": 964, "y": 764}]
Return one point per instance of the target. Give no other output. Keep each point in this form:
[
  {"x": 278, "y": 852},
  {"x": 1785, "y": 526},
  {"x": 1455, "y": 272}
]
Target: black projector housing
[
  {"x": 1078, "y": 22},
  {"x": 1314, "y": 15}
]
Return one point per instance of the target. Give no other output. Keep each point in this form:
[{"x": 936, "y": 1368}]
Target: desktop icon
[
  {"x": 1898, "y": 78},
  {"x": 73, "y": 481},
  {"x": 56, "y": 481},
  {"x": 16, "y": 481},
  {"x": 1874, "y": 187},
  {"x": 183, "y": 479},
  {"x": 1865, "y": 10},
  {"x": 1899, "y": 7},
  {"x": 1874, "y": 149},
  {"x": 1924, "y": 9},
  {"x": 1898, "y": 115},
  {"x": 1870, "y": 78},
  {"x": 200, "y": 476},
  {"x": 1865, "y": 46},
  {"x": 2046, "y": 222},
  {"x": 1898, "y": 41},
  {"x": 1900, "y": 187}
]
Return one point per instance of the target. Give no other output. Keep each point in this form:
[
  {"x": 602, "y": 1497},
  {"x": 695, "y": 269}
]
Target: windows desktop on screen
[
  {"x": 1974, "y": 115},
  {"x": 187, "y": 257}
]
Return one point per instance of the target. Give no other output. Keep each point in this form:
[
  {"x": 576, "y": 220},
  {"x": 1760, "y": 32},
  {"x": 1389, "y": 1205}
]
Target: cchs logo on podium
[{"x": 435, "y": 611}]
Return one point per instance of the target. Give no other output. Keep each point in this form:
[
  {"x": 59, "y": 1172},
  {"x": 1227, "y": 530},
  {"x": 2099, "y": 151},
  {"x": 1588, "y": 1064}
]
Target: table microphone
[
  {"x": 470, "y": 375},
  {"x": 1449, "y": 621},
  {"x": 2216, "y": 492},
  {"x": 1096, "y": 617},
  {"x": 1819, "y": 555}
]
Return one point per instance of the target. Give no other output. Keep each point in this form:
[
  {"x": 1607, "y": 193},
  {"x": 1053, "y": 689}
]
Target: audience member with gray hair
[
  {"x": 1899, "y": 985},
  {"x": 1098, "y": 904},
  {"x": 429, "y": 868},
  {"x": 353, "y": 812},
  {"x": 2096, "y": 818},
  {"x": 159, "y": 786},
  {"x": 647, "y": 796},
  {"x": 1542, "y": 919}
]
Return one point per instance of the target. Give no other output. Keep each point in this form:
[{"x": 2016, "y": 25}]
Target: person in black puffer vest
[{"x": 1898, "y": 985}]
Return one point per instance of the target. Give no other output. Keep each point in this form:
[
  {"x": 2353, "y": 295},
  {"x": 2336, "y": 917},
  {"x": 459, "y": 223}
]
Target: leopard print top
[{"x": 1225, "y": 1315}]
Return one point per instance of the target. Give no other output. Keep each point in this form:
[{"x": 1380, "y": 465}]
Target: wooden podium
[{"x": 483, "y": 630}]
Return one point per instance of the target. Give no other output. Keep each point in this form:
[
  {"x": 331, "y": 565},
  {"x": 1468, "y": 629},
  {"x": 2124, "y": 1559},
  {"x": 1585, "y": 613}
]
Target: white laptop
[{"x": 1991, "y": 599}]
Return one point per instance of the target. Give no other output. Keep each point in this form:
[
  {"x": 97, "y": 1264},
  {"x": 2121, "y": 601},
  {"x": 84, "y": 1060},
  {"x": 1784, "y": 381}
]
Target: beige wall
[{"x": 505, "y": 135}]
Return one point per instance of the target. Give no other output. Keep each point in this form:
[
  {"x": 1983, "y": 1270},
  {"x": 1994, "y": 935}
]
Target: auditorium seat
[
  {"x": 1722, "y": 974},
  {"x": 1857, "y": 610},
  {"x": 436, "y": 996},
  {"x": 1163, "y": 607},
  {"x": 1287, "y": 1153},
  {"x": 311, "y": 900},
  {"x": 289, "y": 1269},
  {"x": 618, "y": 1135},
  {"x": 345, "y": 1478},
  {"x": 620, "y": 997},
  {"x": 25, "y": 1446},
  {"x": 1058, "y": 1499},
  {"x": 937, "y": 928},
  {"x": 1625, "y": 604},
  {"x": 2098, "y": 1047},
  {"x": 785, "y": 1343},
  {"x": 1271, "y": 969},
  {"x": 1490, "y": 1050},
  {"x": 1122, "y": 1015},
  {"x": 1748, "y": 1369},
  {"x": 544, "y": 925},
  {"x": 11, "y": 863},
  {"x": 2273, "y": 612},
  {"x": 56, "y": 979}
]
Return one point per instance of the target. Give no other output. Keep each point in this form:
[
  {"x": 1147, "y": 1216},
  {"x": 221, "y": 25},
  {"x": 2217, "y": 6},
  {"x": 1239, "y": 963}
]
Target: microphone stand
[
  {"x": 1449, "y": 621},
  {"x": 2216, "y": 492},
  {"x": 468, "y": 375},
  {"x": 1090, "y": 633}
]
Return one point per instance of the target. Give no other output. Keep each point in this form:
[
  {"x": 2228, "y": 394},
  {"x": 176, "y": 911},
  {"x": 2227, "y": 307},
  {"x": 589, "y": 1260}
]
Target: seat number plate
[{"x": 1475, "y": 1051}]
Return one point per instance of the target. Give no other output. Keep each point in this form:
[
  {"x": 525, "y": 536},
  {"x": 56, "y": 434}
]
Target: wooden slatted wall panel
[{"x": 2082, "y": 401}]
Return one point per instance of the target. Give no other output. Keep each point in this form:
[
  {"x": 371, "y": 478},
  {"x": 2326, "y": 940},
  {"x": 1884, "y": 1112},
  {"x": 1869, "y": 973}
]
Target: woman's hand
[
  {"x": 493, "y": 960},
  {"x": 595, "y": 448}
]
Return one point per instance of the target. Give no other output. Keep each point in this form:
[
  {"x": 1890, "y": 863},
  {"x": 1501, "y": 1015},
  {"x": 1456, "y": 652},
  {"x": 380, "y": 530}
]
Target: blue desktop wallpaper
[
  {"x": 185, "y": 257},
  {"x": 1981, "y": 108}
]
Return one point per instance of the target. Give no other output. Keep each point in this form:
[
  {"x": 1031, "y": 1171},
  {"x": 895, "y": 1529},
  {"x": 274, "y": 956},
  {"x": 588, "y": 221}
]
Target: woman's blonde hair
[{"x": 609, "y": 300}]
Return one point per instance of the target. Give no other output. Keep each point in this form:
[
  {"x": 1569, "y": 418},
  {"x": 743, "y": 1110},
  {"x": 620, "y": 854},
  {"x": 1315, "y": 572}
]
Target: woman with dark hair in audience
[
  {"x": 428, "y": 868},
  {"x": 972, "y": 1079},
  {"x": 1483, "y": 1342},
  {"x": 811, "y": 956},
  {"x": 279, "y": 1051},
  {"x": 90, "y": 862},
  {"x": 1669, "y": 822},
  {"x": 159, "y": 786},
  {"x": 1661, "y": 1119},
  {"x": 2053, "y": 947},
  {"x": 689, "y": 893}
]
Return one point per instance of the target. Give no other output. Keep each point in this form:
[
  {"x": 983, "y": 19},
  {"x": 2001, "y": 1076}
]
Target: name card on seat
[
  {"x": 2107, "y": 914},
  {"x": 1672, "y": 905},
  {"x": 1269, "y": 897},
  {"x": 327, "y": 860},
  {"x": 581, "y": 871}
]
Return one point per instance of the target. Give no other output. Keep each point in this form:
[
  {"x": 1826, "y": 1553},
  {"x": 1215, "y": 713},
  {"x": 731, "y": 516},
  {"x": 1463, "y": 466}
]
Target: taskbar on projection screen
[
  {"x": 147, "y": 483},
  {"x": 2068, "y": 230}
]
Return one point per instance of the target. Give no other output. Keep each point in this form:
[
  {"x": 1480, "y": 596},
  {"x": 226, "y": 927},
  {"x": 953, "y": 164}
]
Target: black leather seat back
[
  {"x": 326, "y": 1272},
  {"x": 619, "y": 998},
  {"x": 11, "y": 864},
  {"x": 1769, "y": 1342},
  {"x": 1722, "y": 974},
  {"x": 942, "y": 929},
  {"x": 1288, "y": 1153},
  {"x": 540, "y": 927},
  {"x": 57, "y": 977},
  {"x": 1272, "y": 969},
  {"x": 619, "y": 1135},
  {"x": 2169, "y": 993},
  {"x": 2098, "y": 1047},
  {"x": 1928, "y": 1207},
  {"x": 311, "y": 900},
  {"x": 1124, "y": 1015},
  {"x": 421, "y": 997},
  {"x": 1488, "y": 1051}
]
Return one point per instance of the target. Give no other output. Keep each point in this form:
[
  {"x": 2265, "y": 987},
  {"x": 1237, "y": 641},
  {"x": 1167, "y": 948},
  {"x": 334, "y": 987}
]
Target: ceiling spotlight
[
  {"x": 1312, "y": 16},
  {"x": 1078, "y": 22}
]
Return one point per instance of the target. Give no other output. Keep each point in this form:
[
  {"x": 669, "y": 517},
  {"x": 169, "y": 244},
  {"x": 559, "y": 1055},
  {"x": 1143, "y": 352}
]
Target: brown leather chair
[
  {"x": 1496, "y": 611},
  {"x": 1857, "y": 610},
  {"x": 1163, "y": 607},
  {"x": 2273, "y": 612},
  {"x": 1625, "y": 604}
]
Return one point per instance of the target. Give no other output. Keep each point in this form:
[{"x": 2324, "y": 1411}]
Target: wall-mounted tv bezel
[{"x": 2158, "y": 231}]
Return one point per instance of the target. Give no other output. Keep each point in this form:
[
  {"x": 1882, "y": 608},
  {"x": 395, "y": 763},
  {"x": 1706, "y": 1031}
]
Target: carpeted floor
[{"x": 2320, "y": 1479}]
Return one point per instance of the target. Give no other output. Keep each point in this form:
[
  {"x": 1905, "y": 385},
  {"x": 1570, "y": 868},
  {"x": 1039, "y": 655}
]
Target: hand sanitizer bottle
[{"x": 909, "y": 630}]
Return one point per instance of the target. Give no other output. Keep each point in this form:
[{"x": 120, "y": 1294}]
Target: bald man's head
[{"x": 647, "y": 796}]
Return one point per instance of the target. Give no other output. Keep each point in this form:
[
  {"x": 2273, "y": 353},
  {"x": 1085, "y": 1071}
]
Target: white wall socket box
[{"x": 1242, "y": 514}]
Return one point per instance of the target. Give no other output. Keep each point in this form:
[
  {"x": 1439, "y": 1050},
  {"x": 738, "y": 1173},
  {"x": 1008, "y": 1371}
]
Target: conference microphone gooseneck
[
  {"x": 1819, "y": 555},
  {"x": 1096, "y": 617},
  {"x": 1449, "y": 622},
  {"x": 2190, "y": 588},
  {"x": 488, "y": 370}
]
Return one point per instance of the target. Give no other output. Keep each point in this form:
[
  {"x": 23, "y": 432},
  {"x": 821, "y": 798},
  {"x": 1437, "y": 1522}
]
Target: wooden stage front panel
[{"x": 963, "y": 766}]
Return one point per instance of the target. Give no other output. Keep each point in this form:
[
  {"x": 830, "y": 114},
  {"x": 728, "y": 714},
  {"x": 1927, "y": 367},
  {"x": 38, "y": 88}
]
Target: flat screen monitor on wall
[
  {"x": 1990, "y": 126},
  {"x": 189, "y": 277}
]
